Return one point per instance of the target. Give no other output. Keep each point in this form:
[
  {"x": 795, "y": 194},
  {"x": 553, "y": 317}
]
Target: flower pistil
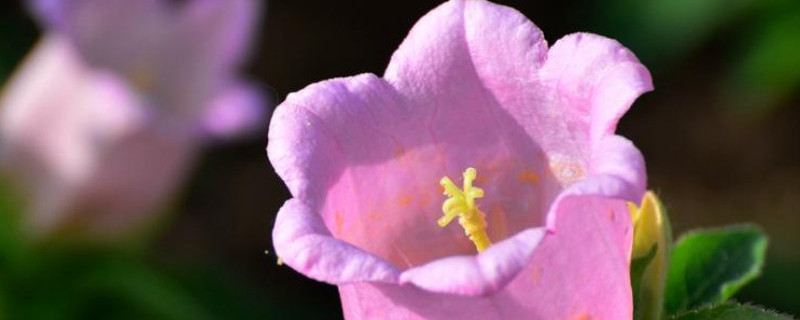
[{"x": 461, "y": 203}]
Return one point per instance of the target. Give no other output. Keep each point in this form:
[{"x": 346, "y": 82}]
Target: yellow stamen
[{"x": 461, "y": 203}]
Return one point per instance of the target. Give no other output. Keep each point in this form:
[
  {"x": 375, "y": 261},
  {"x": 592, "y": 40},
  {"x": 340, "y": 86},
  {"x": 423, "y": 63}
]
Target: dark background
[{"x": 719, "y": 133}]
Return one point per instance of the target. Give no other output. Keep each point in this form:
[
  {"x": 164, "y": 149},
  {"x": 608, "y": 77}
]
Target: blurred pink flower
[
  {"x": 473, "y": 85},
  {"x": 105, "y": 115}
]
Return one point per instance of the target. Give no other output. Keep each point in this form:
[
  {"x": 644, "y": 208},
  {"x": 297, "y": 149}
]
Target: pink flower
[
  {"x": 473, "y": 85},
  {"x": 106, "y": 114}
]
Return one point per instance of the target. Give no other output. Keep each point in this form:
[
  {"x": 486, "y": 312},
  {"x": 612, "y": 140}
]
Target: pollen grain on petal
[
  {"x": 566, "y": 170},
  {"x": 404, "y": 200},
  {"x": 337, "y": 216},
  {"x": 582, "y": 316},
  {"x": 536, "y": 275},
  {"x": 425, "y": 200},
  {"x": 374, "y": 216},
  {"x": 529, "y": 177}
]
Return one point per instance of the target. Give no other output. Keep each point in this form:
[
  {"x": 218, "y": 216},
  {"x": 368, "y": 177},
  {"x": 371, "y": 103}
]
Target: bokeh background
[{"x": 720, "y": 133}]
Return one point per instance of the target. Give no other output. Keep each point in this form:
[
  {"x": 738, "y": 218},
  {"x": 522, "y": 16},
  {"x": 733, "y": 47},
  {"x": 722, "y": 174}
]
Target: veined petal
[
  {"x": 476, "y": 275},
  {"x": 596, "y": 78},
  {"x": 581, "y": 270},
  {"x": 303, "y": 242}
]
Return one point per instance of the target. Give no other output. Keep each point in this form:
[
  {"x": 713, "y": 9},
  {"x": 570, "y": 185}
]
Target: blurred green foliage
[
  {"x": 768, "y": 71},
  {"x": 663, "y": 32},
  {"x": 759, "y": 38}
]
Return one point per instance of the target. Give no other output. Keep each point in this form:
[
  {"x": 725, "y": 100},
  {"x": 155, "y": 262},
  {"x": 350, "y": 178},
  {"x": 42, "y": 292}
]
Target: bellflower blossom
[
  {"x": 474, "y": 85},
  {"x": 105, "y": 115}
]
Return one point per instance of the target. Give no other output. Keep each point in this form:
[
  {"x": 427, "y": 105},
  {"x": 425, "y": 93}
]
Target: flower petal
[
  {"x": 210, "y": 40},
  {"x": 239, "y": 109},
  {"x": 581, "y": 269},
  {"x": 580, "y": 272},
  {"x": 616, "y": 171},
  {"x": 617, "y": 156},
  {"x": 217, "y": 33},
  {"x": 180, "y": 56},
  {"x": 480, "y": 274},
  {"x": 596, "y": 78},
  {"x": 117, "y": 35},
  {"x": 303, "y": 242},
  {"x": 563, "y": 98}
]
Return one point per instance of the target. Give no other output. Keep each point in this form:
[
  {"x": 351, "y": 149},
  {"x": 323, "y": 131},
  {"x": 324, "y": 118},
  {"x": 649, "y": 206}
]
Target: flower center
[{"x": 461, "y": 203}]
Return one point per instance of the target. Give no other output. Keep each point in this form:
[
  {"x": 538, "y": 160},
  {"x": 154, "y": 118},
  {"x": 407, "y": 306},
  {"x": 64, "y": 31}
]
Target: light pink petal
[
  {"x": 366, "y": 301},
  {"x": 180, "y": 55},
  {"x": 582, "y": 85},
  {"x": 303, "y": 242},
  {"x": 123, "y": 36},
  {"x": 616, "y": 156},
  {"x": 596, "y": 77},
  {"x": 480, "y": 274},
  {"x": 478, "y": 62},
  {"x": 215, "y": 34},
  {"x": 581, "y": 272},
  {"x": 616, "y": 170},
  {"x": 239, "y": 109},
  {"x": 582, "y": 269},
  {"x": 210, "y": 39}
]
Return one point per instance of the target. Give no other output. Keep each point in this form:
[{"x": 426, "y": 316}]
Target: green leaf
[
  {"x": 710, "y": 266},
  {"x": 730, "y": 311}
]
